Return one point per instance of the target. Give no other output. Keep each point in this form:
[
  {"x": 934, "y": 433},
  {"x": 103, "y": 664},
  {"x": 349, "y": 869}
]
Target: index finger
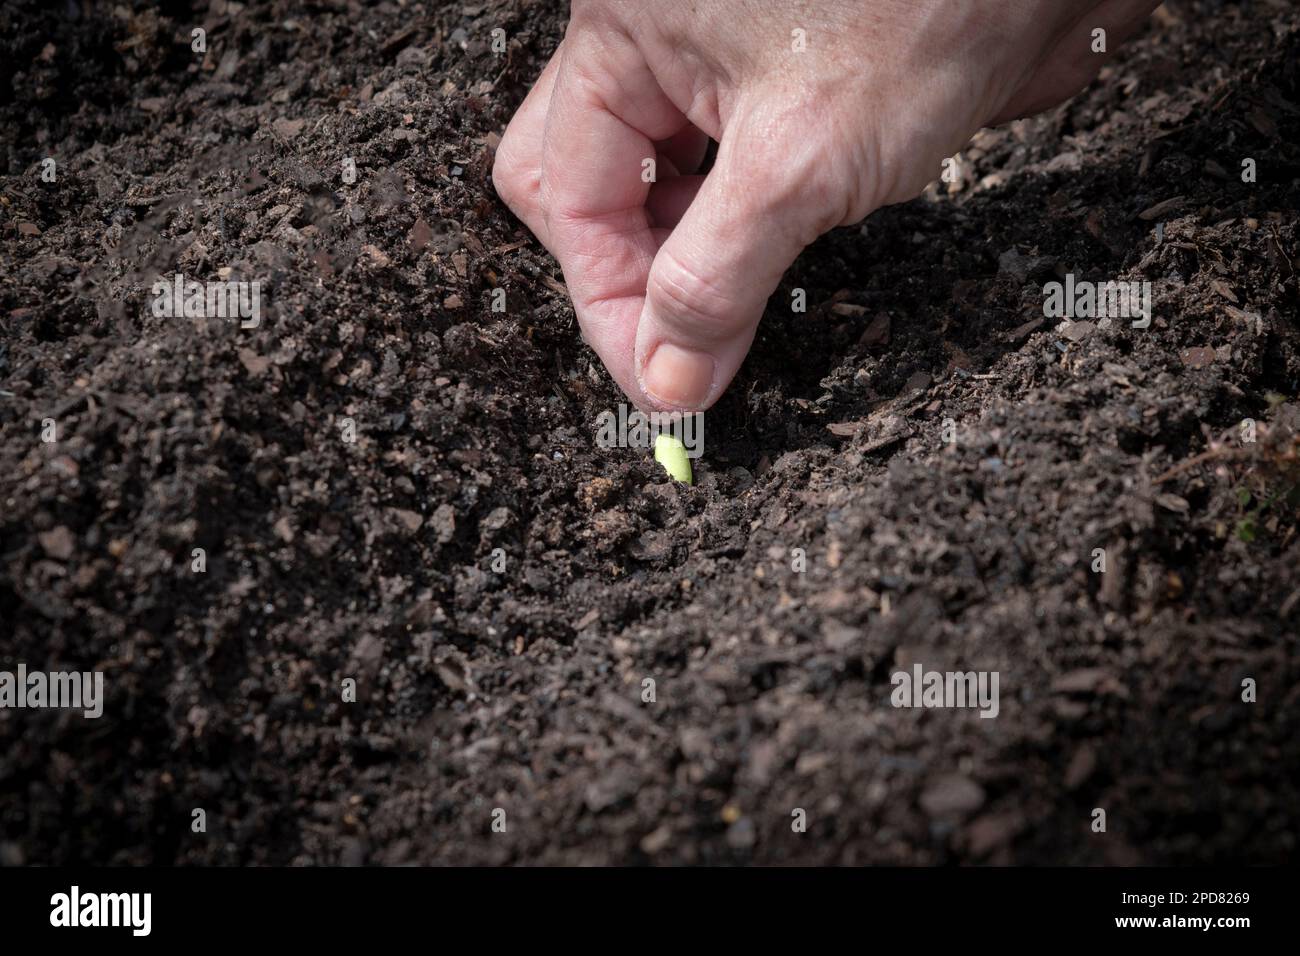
[{"x": 606, "y": 113}]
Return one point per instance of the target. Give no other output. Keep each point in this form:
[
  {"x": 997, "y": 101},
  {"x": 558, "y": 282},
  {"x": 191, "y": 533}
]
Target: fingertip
[{"x": 675, "y": 378}]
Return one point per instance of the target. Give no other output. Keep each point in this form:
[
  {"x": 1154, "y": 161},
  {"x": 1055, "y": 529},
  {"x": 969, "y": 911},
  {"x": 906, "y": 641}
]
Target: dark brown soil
[{"x": 475, "y": 430}]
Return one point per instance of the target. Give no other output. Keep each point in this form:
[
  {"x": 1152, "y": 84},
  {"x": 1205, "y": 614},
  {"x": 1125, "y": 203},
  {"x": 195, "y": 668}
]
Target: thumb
[{"x": 760, "y": 205}]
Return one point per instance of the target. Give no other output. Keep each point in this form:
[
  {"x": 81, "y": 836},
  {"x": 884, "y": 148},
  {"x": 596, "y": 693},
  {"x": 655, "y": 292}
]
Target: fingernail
[{"x": 678, "y": 377}]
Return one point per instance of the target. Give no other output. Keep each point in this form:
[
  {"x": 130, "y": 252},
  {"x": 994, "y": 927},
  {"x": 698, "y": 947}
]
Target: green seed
[{"x": 671, "y": 453}]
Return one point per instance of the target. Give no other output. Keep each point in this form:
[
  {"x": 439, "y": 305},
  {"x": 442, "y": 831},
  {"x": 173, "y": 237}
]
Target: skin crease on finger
[{"x": 669, "y": 279}]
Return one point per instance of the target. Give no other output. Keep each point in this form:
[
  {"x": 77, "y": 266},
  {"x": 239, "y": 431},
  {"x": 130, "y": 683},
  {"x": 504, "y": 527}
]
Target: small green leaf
[{"x": 671, "y": 453}]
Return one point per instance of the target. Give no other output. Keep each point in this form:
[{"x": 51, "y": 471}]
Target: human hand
[{"x": 669, "y": 279}]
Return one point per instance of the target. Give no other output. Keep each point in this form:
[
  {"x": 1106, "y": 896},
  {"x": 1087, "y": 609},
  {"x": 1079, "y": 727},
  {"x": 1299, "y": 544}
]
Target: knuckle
[
  {"x": 514, "y": 184},
  {"x": 686, "y": 297}
]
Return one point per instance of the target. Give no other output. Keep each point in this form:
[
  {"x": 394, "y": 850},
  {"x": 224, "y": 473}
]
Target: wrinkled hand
[{"x": 669, "y": 278}]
